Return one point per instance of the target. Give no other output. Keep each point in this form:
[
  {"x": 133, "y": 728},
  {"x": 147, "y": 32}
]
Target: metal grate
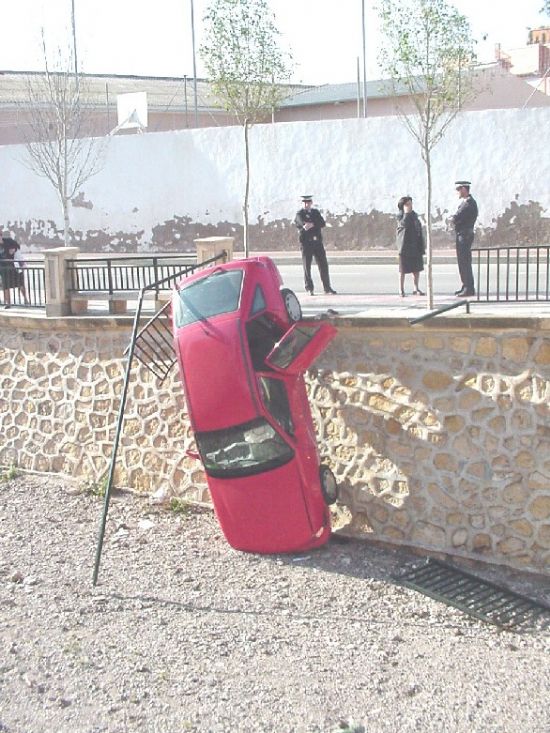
[
  {"x": 477, "y": 597},
  {"x": 154, "y": 344}
]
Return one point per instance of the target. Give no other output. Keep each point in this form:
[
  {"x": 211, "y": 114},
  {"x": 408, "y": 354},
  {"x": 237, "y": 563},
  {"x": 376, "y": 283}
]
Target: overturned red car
[{"x": 242, "y": 349}]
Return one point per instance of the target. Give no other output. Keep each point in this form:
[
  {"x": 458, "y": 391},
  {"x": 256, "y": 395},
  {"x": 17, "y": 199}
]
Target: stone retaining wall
[{"x": 439, "y": 434}]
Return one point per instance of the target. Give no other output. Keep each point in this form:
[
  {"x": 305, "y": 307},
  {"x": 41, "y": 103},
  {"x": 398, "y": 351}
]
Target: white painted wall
[{"x": 349, "y": 165}]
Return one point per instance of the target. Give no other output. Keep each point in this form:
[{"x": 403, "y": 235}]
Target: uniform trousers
[
  {"x": 464, "y": 241},
  {"x": 317, "y": 251}
]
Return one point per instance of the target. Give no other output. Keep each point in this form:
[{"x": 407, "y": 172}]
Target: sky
[{"x": 153, "y": 37}]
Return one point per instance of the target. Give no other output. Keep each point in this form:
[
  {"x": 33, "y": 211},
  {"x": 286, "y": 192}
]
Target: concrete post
[
  {"x": 209, "y": 247},
  {"x": 57, "y": 280}
]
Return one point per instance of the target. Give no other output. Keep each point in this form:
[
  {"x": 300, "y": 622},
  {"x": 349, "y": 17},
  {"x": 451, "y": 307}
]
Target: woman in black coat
[{"x": 410, "y": 244}]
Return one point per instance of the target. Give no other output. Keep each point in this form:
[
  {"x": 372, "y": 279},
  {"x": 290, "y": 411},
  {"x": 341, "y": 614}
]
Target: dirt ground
[{"x": 182, "y": 633}]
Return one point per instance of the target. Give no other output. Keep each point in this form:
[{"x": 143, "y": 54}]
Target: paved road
[{"x": 366, "y": 279}]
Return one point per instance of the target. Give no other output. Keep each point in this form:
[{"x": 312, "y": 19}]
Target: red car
[{"x": 242, "y": 349}]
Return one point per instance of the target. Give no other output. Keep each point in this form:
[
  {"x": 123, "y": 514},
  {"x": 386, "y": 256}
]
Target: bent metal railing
[
  {"x": 140, "y": 345},
  {"x": 110, "y": 275},
  {"x": 512, "y": 274},
  {"x": 34, "y": 284}
]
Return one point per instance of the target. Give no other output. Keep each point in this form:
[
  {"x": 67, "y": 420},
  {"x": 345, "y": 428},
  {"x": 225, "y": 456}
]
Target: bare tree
[
  {"x": 245, "y": 66},
  {"x": 428, "y": 53},
  {"x": 56, "y": 129}
]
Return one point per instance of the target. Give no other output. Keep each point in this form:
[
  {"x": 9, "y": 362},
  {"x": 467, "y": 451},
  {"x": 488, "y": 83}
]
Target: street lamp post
[
  {"x": 194, "y": 62},
  {"x": 364, "y": 59}
]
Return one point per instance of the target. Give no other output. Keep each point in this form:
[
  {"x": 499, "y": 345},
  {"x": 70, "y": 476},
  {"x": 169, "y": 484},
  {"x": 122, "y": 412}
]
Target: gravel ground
[{"x": 182, "y": 633}]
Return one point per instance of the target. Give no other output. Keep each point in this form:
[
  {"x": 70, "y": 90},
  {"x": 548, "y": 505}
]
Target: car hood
[{"x": 218, "y": 382}]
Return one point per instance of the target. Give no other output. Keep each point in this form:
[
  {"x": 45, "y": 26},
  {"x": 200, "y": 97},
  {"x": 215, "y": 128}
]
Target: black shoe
[
  {"x": 330, "y": 291},
  {"x": 461, "y": 291},
  {"x": 467, "y": 294},
  {"x": 310, "y": 291},
  {"x": 402, "y": 293},
  {"x": 418, "y": 292}
]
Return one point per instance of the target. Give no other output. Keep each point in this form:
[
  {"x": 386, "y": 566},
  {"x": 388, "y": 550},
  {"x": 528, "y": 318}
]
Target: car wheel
[
  {"x": 329, "y": 487},
  {"x": 292, "y": 305}
]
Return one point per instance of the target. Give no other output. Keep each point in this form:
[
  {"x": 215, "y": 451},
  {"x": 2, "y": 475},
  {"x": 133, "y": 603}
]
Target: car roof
[{"x": 218, "y": 384}]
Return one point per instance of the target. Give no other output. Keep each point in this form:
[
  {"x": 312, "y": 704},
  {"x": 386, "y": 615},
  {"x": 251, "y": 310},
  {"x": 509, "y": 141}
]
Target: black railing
[
  {"x": 512, "y": 274},
  {"x": 33, "y": 280},
  {"x": 126, "y": 274}
]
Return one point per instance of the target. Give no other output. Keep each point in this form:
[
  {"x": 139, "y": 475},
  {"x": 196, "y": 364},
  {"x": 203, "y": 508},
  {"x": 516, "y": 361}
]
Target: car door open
[{"x": 300, "y": 346}]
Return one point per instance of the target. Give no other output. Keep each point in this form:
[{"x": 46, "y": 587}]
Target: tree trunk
[
  {"x": 429, "y": 247},
  {"x": 246, "y": 189},
  {"x": 66, "y": 222}
]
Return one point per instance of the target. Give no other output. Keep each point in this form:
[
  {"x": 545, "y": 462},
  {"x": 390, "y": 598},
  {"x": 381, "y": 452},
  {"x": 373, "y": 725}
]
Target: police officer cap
[
  {"x": 463, "y": 183},
  {"x": 307, "y": 197}
]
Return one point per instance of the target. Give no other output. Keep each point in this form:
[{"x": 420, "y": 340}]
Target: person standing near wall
[
  {"x": 11, "y": 276},
  {"x": 410, "y": 244},
  {"x": 464, "y": 221},
  {"x": 310, "y": 222}
]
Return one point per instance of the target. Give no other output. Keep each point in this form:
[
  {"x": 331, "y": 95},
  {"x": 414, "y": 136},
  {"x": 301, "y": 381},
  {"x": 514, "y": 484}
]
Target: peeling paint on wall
[
  {"x": 519, "y": 224},
  {"x": 160, "y": 191},
  {"x": 79, "y": 200}
]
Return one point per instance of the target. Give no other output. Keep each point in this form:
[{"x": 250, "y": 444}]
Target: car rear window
[
  {"x": 243, "y": 450},
  {"x": 211, "y": 295}
]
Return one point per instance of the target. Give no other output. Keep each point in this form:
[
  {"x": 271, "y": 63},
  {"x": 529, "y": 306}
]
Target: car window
[
  {"x": 258, "y": 304},
  {"x": 292, "y": 344},
  {"x": 275, "y": 398},
  {"x": 217, "y": 293},
  {"x": 243, "y": 450}
]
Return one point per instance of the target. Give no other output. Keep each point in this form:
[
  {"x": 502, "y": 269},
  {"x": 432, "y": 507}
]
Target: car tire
[
  {"x": 329, "y": 487},
  {"x": 292, "y": 305}
]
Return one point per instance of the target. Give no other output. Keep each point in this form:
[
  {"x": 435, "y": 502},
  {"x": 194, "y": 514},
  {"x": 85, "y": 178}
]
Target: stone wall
[{"x": 439, "y": 434}]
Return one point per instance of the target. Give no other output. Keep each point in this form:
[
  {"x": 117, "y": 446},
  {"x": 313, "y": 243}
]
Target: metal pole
[
  {"x": 358, "y": 89},
  {"x": 117, "y": 439},
  {"x": 194, "y": 62},
  {"x": 364, "y": 60},
  {"x": 73, "y": 23},
  {"x": 185, "y": 93}
]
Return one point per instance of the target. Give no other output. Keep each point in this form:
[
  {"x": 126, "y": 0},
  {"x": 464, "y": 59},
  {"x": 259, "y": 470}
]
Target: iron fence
[
  {"x": 126, "y": 274},
  {"x": 29, "y": 289},
  {"x": 512, "y": 274}
]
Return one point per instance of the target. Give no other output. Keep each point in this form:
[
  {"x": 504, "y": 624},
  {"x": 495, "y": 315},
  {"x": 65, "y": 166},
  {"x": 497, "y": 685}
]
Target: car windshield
[
  {"x": 211, "y": 295},
  {"x": 243, "y": 450}
]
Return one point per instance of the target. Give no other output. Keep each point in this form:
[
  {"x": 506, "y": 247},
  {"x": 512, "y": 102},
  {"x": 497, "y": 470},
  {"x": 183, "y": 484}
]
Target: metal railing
[
  {"x": 34, "y": 283},
  {"x": 126, "y": 274},
  {"x": 512, "y": 274}
]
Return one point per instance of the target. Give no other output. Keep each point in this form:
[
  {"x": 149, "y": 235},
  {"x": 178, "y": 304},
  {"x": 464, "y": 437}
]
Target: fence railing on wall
[
  {"x": 512, "y": 274},
  {"x": 125, "y": 274},
  {"x": 33, "y": 281}
]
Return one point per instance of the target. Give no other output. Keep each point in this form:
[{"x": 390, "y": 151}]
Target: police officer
[
  {"x": 464, "y": 221},
  {"x": 310, "y": 222}
]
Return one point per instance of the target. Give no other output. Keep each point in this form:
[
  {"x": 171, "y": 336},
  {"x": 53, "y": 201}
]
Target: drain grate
[{"x": 480, "y": 598}]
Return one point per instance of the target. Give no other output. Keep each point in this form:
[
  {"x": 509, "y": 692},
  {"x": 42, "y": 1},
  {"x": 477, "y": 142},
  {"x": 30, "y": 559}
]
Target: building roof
[
  {"x": 163, "y": 93},
  {"x": 334, "y": 93}
]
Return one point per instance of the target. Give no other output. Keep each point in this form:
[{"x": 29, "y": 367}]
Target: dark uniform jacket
[
  {"x": 466, "y": 216},
  {"x": 312, "y": 236}
]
